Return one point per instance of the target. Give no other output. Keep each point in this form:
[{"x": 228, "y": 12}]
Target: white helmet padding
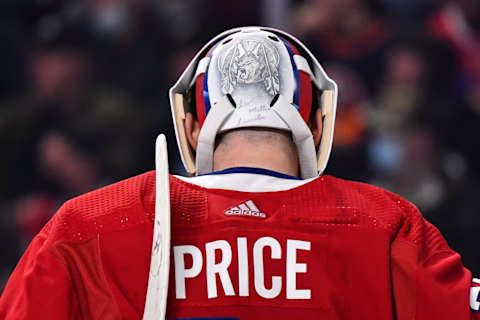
[
  {"x": 249, "y": 81},
  {"x": 206, "y": 139}
]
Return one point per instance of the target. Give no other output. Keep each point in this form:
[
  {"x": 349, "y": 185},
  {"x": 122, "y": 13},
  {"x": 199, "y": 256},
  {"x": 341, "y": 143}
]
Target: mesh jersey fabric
[{"x": 372, "y": 256}]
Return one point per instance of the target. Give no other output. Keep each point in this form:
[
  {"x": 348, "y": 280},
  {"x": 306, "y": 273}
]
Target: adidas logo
[{"x": 247, "y": 208}]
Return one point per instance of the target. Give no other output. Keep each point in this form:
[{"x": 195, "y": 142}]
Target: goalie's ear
[
  {"x": 192, "y": 130},
  {"x": 316, "y": 126}
]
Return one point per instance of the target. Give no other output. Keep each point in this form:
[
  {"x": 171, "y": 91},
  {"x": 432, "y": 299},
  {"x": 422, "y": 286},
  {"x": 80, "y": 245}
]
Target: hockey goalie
[{"x": 257, "y": 231}]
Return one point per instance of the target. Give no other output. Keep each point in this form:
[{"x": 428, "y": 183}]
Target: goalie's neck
[{"x": 270, "y": 154}]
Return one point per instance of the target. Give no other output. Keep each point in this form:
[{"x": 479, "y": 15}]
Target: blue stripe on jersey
[
  {"x": 207, "y": 319},
  {"x": 255, "y": 171}
]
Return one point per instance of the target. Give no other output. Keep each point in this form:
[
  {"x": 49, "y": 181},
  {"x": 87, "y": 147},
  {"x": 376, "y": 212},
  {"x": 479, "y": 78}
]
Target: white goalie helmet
[{"x": 254, "y": 77}]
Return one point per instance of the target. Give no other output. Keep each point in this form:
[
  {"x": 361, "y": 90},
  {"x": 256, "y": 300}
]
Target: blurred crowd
[{"x": 83, "y": 94}]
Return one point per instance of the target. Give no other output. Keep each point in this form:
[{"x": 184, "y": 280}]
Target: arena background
[{"x": 83, "y": 94}]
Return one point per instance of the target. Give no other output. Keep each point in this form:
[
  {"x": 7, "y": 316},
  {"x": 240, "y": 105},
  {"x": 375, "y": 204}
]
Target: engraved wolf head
[{"x": 249, "y": 61}]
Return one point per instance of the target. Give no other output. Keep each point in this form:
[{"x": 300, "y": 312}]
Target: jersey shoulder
[
  {"x": 382, "y": 207},
  {"x": 111, "y": 208},
  {"x": 364, "y": 192}
]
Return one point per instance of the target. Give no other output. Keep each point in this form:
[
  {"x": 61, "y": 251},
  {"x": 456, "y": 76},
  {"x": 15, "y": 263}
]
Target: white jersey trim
[{"x": 245, "y": 182}]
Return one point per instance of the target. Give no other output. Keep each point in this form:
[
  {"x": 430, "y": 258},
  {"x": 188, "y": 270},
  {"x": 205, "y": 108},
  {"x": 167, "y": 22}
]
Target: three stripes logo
[{"x": 247, "y": 208}]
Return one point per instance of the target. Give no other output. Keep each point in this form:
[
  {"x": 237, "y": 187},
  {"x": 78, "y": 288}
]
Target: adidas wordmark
[{"x": 247, "y": 208}]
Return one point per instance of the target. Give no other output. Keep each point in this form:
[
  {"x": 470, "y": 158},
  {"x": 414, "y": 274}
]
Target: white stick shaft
[{"x": 156, "y": 300}]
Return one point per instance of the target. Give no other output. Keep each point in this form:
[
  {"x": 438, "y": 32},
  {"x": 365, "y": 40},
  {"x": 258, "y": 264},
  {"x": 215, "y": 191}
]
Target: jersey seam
[
  {"x": 104, "y": 278},
  {"x": 59, "y": 258}
]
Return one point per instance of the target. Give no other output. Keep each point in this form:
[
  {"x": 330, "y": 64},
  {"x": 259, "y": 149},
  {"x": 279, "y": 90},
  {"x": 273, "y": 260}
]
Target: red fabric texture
[{"x": 372, "y": 256}]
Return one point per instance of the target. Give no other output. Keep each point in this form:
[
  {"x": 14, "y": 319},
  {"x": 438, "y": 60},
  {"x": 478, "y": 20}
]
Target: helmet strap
[
  {"x": 206, "y": 139},
  {"x": 301, "y": 134}
]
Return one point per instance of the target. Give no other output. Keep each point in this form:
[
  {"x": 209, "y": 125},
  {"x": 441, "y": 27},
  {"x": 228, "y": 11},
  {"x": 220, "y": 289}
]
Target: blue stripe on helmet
[
  {"x": 206, "y": 95},
  {"x": 296, "y": 93}
]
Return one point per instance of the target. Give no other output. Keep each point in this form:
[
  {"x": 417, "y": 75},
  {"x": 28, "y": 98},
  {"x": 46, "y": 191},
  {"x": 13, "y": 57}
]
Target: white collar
[{"x": 245, "y": 182}]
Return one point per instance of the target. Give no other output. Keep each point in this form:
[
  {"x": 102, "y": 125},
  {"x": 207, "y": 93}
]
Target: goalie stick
[{"x": 156, "y": 299}]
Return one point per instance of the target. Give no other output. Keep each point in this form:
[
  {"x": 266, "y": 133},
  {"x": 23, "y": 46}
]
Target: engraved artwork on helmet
[{"x": 249, "y": 61}]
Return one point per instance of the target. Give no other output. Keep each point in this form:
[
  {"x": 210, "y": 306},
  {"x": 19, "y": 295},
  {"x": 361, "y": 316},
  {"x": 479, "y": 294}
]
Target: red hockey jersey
[{"x": 327, "y": 249}]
